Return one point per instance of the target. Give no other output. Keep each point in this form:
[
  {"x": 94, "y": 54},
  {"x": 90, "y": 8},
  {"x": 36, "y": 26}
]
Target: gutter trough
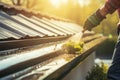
[{"x": 47, "y": 63}]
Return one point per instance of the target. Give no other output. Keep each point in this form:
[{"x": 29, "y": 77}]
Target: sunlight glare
[
  {"x": 64, "y": 1},
  {"x": 83, "y": 2},
  {"x": 55, "y": 3}
]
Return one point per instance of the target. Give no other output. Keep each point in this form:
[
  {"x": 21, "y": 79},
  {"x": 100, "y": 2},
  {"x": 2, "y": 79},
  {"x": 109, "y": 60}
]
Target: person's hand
[
  {"x": 87, "y": 25},
  {"x": 93, "y": 21}
]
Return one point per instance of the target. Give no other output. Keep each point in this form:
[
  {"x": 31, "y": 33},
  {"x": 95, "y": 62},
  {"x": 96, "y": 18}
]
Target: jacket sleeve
[
  {"x": 111, "y": 6},
  {"x": 95, "y": 19}
]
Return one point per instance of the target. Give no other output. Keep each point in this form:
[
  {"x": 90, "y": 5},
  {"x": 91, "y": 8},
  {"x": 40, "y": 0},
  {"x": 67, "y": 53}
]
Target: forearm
[
  {"x": 96, "y": 18},
  {"x": 110, "y": 7}
]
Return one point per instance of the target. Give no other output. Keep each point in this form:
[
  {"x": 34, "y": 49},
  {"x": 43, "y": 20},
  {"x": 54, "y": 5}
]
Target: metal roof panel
[
  {"x": 22, "y": 28},
  {"x": 33, "y": 26},
  {"x": 42, "y": 25},
  {"x": 50, "y": 24},
  {"x": 6, "y": 34}
]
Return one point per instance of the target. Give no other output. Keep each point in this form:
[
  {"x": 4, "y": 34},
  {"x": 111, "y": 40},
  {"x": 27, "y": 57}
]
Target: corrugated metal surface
[
  {"x": 34, "y": 26},
  {"x": 50, "y": 24},
  {"x": 19, "y": 25},
  {"x": 4, "y": 33},
  {"x": 66, "y": 28},
  {"x": 42, "y": 25}
]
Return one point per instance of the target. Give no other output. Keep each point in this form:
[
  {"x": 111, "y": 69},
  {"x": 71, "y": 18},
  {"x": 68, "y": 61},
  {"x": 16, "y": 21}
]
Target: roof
[
  {"x": 49, "y": 33},
  {"x": 19, "y": 23}
]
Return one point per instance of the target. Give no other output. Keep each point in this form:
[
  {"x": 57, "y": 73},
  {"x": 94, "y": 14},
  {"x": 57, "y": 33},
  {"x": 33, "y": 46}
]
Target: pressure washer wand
[{"x": 83, "y": 31}]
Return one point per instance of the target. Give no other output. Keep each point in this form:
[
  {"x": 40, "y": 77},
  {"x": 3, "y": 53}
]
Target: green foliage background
[{"x": 98, "y": 72}]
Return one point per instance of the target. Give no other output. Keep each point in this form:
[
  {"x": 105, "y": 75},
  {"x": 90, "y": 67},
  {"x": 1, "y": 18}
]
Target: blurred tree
[
  {"x": 17, "y": 2},
  {"x": 24, "y": 3},
  {"x": 30, "y": 4},
  {"x": 73, "y": 12}
]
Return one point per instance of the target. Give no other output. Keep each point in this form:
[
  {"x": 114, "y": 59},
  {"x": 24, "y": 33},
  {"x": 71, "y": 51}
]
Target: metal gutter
[
  {"x": 27, "y": 59},
  {"x": 64, "y": 70},
  {"x": 49, "y": 74}
]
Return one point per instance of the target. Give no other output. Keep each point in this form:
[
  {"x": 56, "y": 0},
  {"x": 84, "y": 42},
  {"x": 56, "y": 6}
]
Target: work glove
[{"x": 93, "y": 20}]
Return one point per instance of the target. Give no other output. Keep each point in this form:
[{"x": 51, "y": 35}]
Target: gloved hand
[{"x": 93, "y": 20}]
